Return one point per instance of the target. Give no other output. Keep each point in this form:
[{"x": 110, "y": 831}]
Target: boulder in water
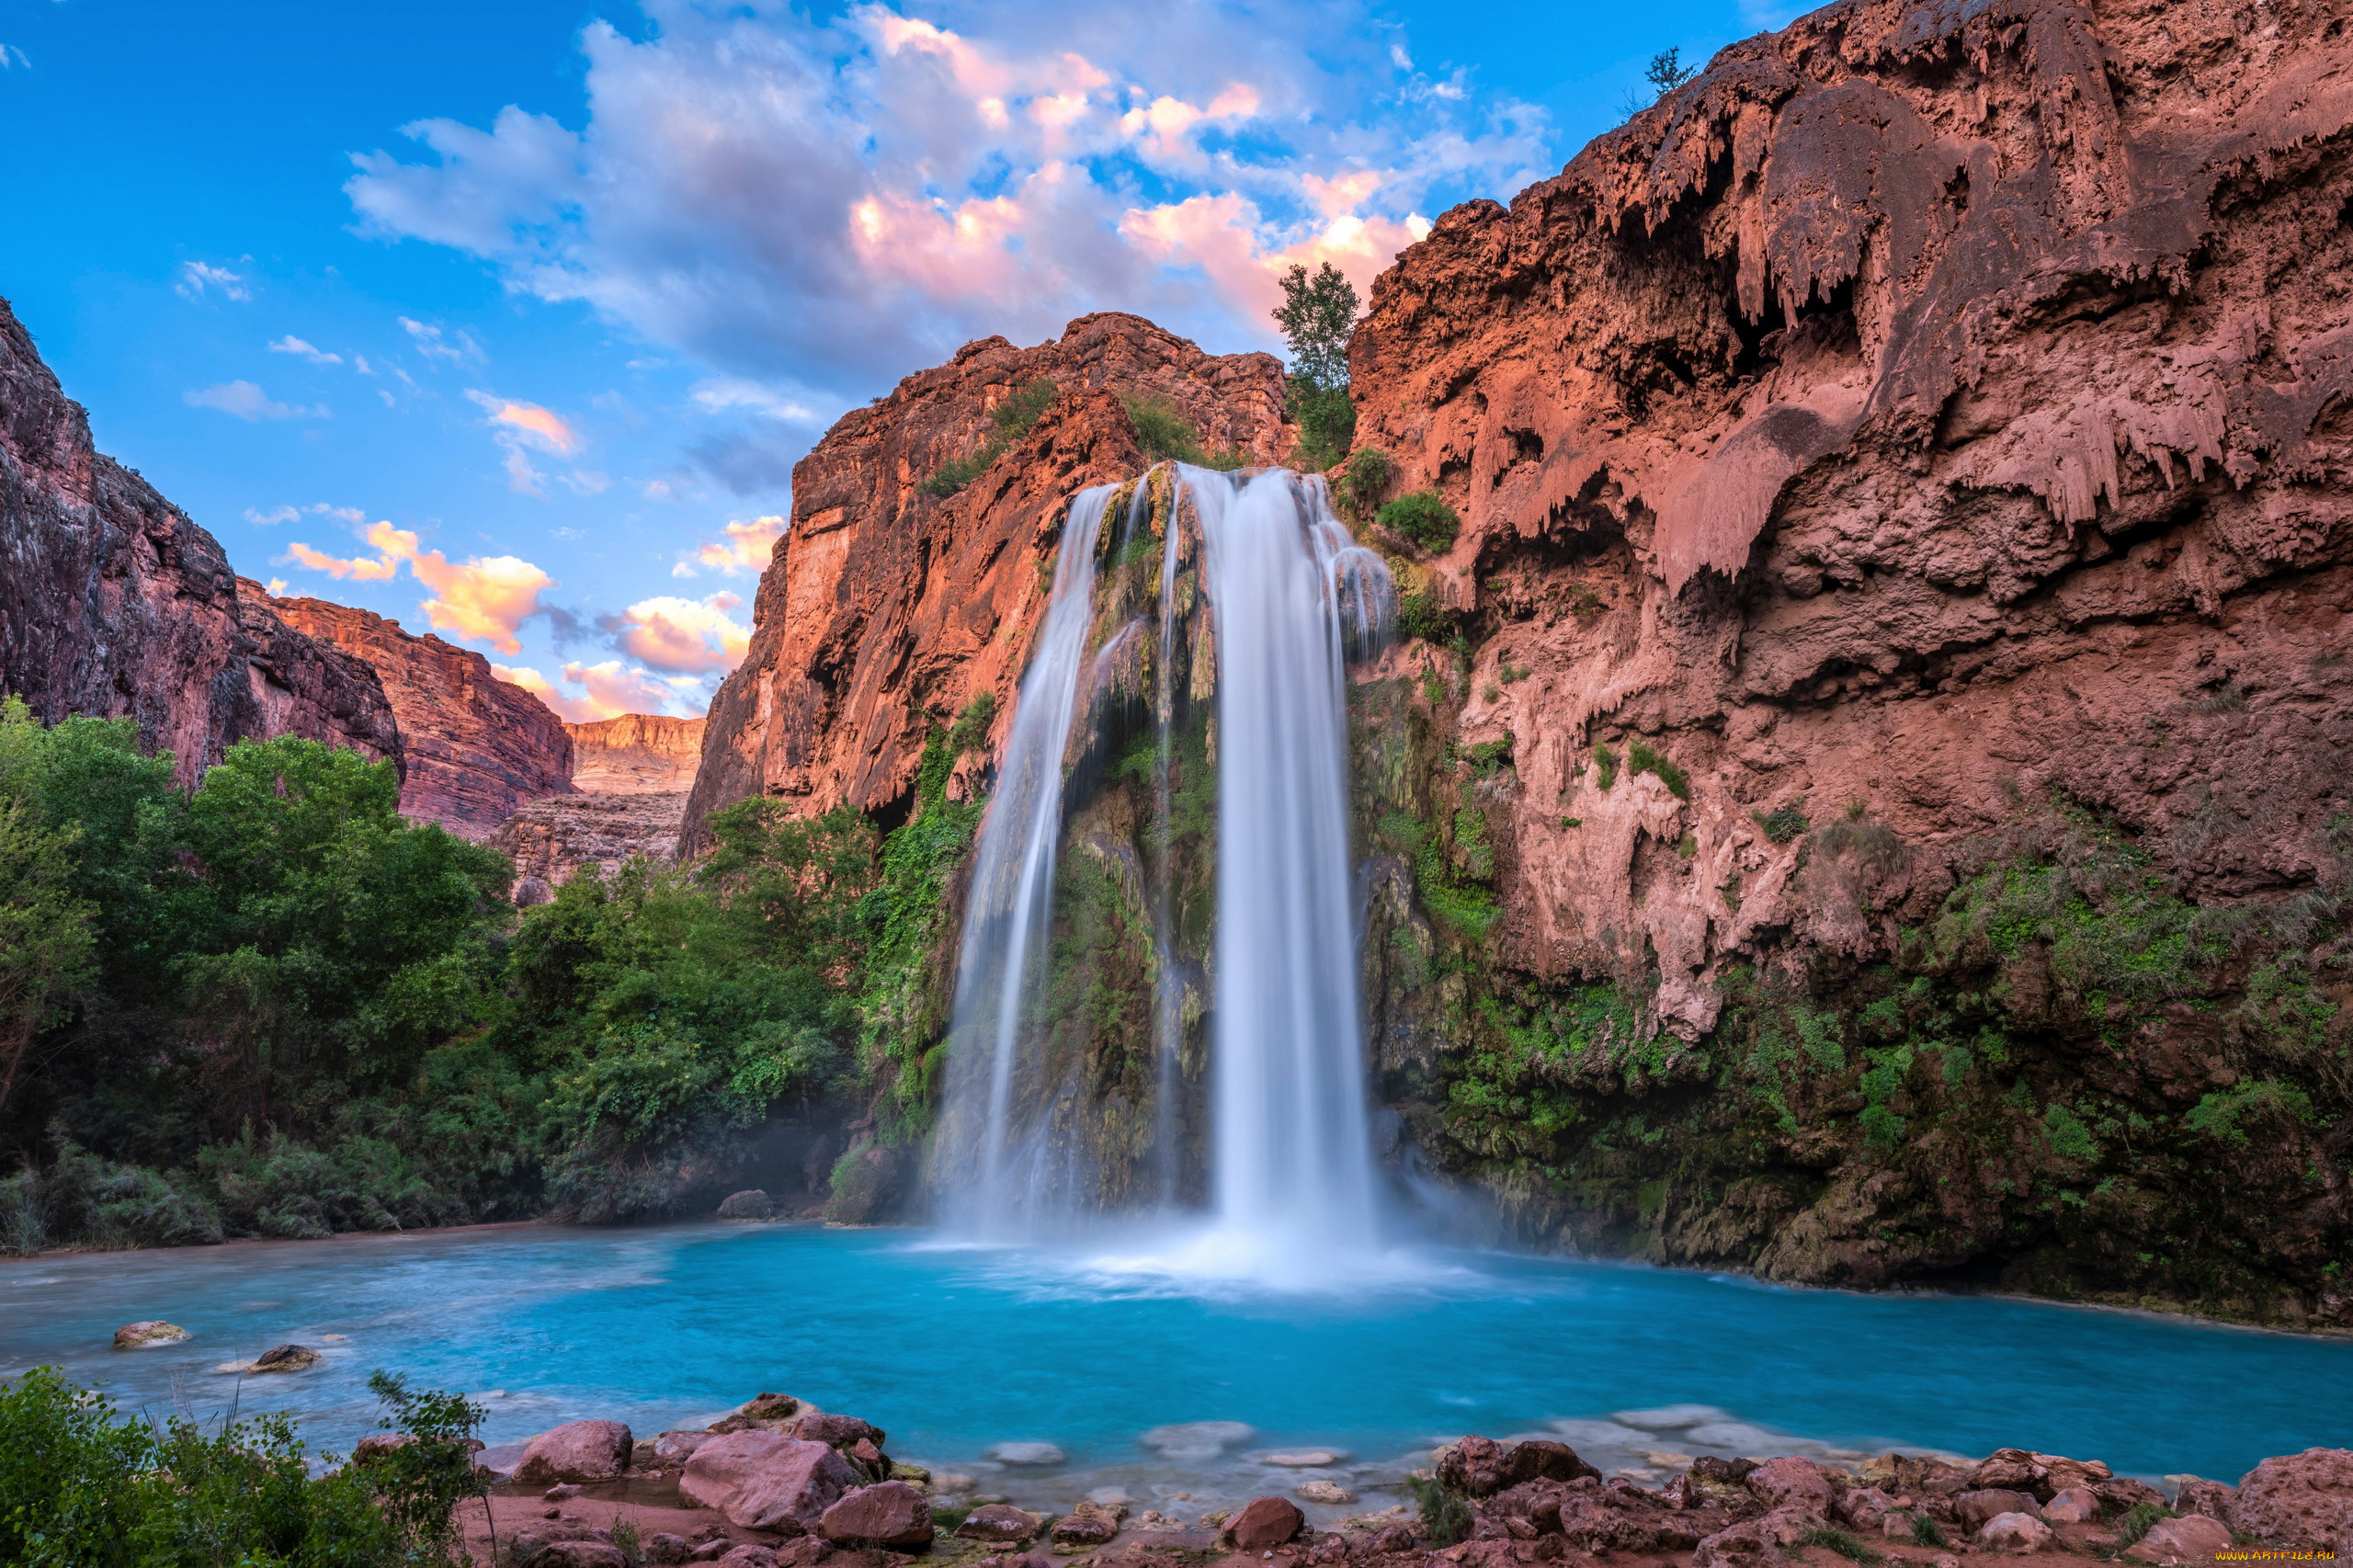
[
  {"x": 1264, "y": 1524},
  {"x": 140, "y": 1335},
  {"x": 890, "y": 1513},
  {"x": 749, "y": 1204},
  {"x": 284, "y": 1359},
  {"x": 1330, "y": 1492},
  {"x": 1302, "y": 1458},
  {"x": 577, "y": 1450},
  {"x": 765, "y": 1480}
]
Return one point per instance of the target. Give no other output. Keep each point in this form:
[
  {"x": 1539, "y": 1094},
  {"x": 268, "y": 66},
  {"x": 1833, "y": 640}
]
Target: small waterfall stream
[
  {"x": 1261, "y": 596},
  {"x": 1008, "y": 911}
]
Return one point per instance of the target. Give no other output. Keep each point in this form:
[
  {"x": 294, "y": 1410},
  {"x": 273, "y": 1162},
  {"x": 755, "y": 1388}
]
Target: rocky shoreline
[{"x": 778, "y": 1482}]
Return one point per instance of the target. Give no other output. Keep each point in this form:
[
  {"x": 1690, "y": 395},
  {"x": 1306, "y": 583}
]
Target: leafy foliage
[
  {"x": 1370, "y": 473},
  {"x": 1165, "y": 435},
  {"x": 83, "y": 1487},
  {"x": 1316, "y": 317},
  {"x": 1014, "y": 416},
  {"x": 1424, "y": 518}
]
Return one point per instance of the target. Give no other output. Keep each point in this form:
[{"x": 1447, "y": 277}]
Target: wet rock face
[
  {"x": 635, "y": 754},
  {"x": 477, "y": 748},
  {"x": 113, "y": 603},
  {"x": 886, "y": 608},
  {"x": 1918, "y": 409}
]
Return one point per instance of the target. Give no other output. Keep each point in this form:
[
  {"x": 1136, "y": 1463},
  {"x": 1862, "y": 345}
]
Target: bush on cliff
[{"x": 1423, "y": 518}]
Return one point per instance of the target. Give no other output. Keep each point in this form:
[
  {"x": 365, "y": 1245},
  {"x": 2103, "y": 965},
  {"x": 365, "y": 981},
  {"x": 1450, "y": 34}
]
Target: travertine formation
[
  {"x": 635, "y": 754},
  {"x": 887, "y": 609},
  {"x": 1929, "y": 408},
  {"x": 113, "y": 603},
  {"x": 477, "y": 748}
]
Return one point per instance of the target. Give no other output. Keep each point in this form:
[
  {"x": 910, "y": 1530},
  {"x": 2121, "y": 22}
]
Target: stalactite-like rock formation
[{"x": 114, "y": 602}]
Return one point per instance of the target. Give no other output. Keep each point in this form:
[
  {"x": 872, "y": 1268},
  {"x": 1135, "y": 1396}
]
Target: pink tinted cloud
[{"x": 482, "y": 599}]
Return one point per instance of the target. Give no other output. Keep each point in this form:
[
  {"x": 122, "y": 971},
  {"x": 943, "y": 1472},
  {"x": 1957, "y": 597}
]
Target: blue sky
[{"x": 508, "y": 319}]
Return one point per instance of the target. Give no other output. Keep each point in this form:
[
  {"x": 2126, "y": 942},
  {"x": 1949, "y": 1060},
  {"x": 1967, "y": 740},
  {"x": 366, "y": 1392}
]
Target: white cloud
[
  {"x": 483, "y": 599},
  {"x": 196, "y": 276},
  {"x": 682, "y": 636},
  {"x": 805, "y": 206},
  {"x": 435, "y": 344},
  {"x": 11, "y": 56},
  {"x": 248, "y": 402},
  {"x": 275, "y": 515},
  {"x": 290, "y": 344},
  {"x": 745, "y": 548},
  {"x": 605, "y": 690}
]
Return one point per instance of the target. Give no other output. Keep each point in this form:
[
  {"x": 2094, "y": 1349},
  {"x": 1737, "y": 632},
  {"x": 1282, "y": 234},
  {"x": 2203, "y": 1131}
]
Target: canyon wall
[
  {"x": 1899, "y": 686},
  {"x": 477, "y": 748},
  {"x": 114, "y": 604},
  {"x": 635, "y": 754},
  {"x": 886, "y": 608}
]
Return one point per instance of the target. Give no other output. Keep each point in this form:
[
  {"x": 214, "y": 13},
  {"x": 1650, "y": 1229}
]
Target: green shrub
[
  {"x": 1605, "y": 767},
  {"x": 1927, "y": 1531},
  {"x": 1424, "y": 518},
  {"x": 81, "y": 1487},
  {"x": 1848, "y": 1546},
  {"x": 1782, "y": 823},
  {"x": 957, "y": 473},
  {"x": 1019, "y": 410},
  {"x": 1326, "y": 418},
  {"x": 1422, "y": 616},
  {"x": 2218, "y": 1115},
  {"x": 1641, "y": 758},
  {"x": 1162, "y": 431},
  {"x": 2138, "y": 1521},
  {"x": 1370, "y": 473},
  {"x": 1446, "y": 1518}
]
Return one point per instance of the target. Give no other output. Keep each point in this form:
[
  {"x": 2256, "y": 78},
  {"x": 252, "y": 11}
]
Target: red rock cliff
[
  {"x": 477, "y": 748},
  {"x": 1929, "y": 408},
  {"x": 113, "y": 603},
  {"x": 635, "y": 754},
  {"x": 885, "y": 607}
]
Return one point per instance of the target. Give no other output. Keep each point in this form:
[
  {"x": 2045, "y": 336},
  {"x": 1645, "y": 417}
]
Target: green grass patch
[{"x": 1423, "y": 517}]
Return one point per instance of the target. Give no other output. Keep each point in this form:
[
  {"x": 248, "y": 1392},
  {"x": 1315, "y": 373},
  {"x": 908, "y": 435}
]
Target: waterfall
[
  {"x": 1262, "y": 594},
  {"x": 1293, "y": 1167},
  {"x": 1007, "y": 912}
]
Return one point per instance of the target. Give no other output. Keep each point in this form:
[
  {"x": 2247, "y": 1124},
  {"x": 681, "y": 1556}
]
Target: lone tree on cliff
[{"x": 1316, "y": 316}]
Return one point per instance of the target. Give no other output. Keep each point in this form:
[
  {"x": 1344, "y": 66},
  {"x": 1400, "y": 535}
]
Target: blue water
[{"x": 952, "y": 1351}]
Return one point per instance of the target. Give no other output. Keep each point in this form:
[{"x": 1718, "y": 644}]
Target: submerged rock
[
  {"x": 1028, "y": 1454},
  {"x": 1327, "y": 1491},
  {"x": 283, "y": 1358},
  {"x": 140, "y": 1335},
  {"x": 1196, "y": 1440}
]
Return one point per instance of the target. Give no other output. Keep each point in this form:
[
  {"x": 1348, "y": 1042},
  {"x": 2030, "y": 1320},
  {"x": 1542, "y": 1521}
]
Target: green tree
[
  {"x": 1317, "y": 316},
  {"x": 45, "y": 938}
]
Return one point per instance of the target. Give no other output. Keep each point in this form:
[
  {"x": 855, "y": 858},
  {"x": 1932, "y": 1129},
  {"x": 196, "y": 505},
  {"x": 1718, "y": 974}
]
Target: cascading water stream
[
  {"x": 1013, "y": 873},
  {"x": 1294, "y": 1173},
  {"x": 1285, "y": 597}
]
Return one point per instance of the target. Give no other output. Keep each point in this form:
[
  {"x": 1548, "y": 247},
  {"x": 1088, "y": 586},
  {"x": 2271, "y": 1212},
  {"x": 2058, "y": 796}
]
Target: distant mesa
[{"x": 635, "y": 754}]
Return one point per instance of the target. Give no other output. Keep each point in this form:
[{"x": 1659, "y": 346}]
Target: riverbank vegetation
[
  {"x": 83, "y": 1485},
  {"x": 270, "y": 1005}
]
